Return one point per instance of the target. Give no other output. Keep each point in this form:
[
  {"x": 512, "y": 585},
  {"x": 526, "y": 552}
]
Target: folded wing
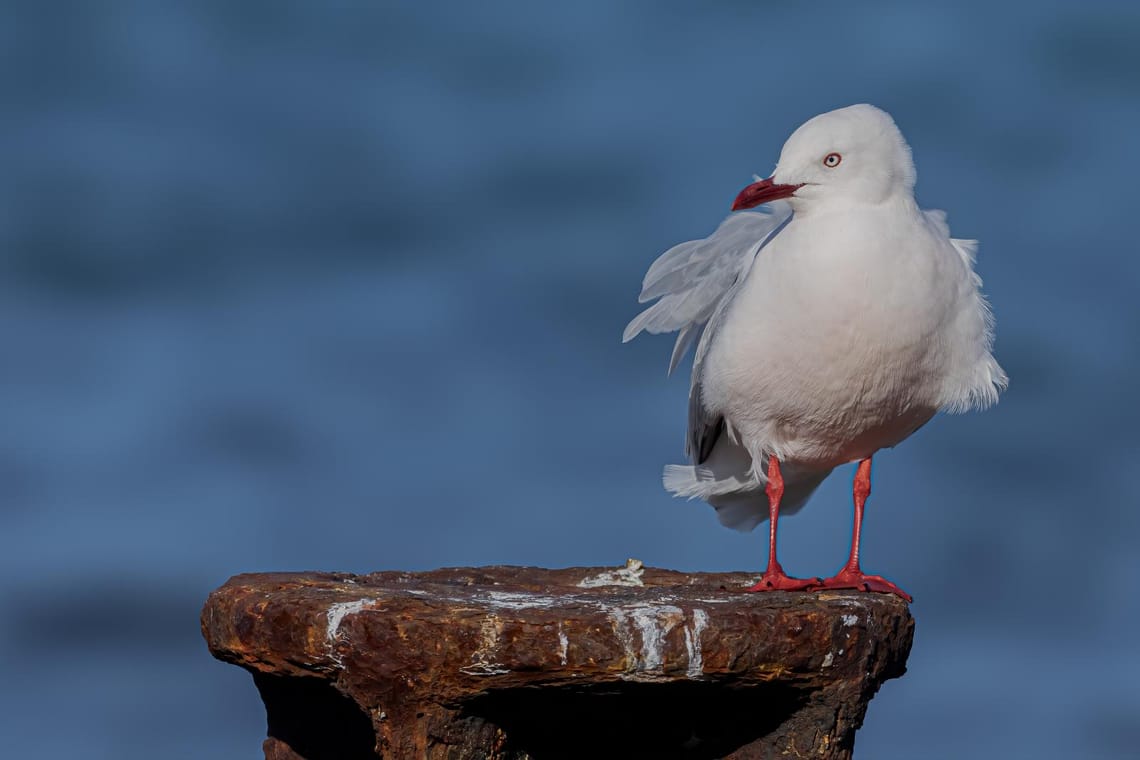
[{"x": 979, "y": 387}]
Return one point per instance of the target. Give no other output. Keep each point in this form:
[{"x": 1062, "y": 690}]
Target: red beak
[{"x": 763, "y": 191}]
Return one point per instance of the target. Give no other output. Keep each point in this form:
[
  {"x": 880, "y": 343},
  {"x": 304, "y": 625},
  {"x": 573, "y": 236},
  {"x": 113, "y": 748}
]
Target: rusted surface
[{"x": 519, "y": 662}]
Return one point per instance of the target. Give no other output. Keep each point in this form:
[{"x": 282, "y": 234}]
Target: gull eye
[{"x": 831, "y": 160}]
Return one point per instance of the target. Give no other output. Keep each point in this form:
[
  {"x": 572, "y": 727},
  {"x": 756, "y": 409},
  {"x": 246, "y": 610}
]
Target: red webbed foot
[
  {"x": 778, "y": 581},
  {"x": 859, "y": 580}
]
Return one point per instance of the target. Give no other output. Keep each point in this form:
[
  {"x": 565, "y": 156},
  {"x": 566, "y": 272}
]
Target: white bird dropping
[{"x": 833, "y": 324}]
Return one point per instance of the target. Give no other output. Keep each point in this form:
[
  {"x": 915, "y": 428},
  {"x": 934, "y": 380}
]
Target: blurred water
[{"x": 340, "y": 286}]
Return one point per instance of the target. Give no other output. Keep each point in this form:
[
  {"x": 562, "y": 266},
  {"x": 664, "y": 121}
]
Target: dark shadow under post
[
  {"x": 311, "y": 719},
  {"x": 512, "y": 663}
]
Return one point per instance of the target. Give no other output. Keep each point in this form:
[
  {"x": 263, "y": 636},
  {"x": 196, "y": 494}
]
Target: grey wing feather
[
  {"x": 705, "y": 427},
  {"x": 693, "y": 279},
  {"x": 695, "y": 282}
]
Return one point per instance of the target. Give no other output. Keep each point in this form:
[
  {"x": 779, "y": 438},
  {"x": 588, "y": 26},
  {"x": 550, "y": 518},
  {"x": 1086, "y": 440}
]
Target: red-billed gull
[{"x": 830, "y": 325}]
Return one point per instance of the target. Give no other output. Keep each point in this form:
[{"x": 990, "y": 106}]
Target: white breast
[{"x": 841, "y": 338}]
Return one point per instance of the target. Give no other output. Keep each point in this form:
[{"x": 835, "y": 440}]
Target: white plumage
[{"x": 832, "y": 325}]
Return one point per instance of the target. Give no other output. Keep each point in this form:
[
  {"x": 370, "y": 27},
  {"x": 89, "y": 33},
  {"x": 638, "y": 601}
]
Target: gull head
[{"x": 854, "y": 154}]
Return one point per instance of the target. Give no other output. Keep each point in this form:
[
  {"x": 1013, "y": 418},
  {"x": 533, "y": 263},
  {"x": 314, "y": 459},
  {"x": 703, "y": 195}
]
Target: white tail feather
[{"x": 740, "y": 504}]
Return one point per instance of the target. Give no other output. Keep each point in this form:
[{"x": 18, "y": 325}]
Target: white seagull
[{"x": 833, "y": 324}]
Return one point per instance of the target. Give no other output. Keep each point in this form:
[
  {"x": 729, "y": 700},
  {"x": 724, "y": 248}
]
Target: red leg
[
  {"x": 851, "y": 576},
  {"x": 774, "y": 578}
]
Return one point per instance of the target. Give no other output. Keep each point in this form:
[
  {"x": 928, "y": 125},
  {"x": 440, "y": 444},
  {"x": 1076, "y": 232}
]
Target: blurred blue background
[{"x": 341, "y": 285}]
